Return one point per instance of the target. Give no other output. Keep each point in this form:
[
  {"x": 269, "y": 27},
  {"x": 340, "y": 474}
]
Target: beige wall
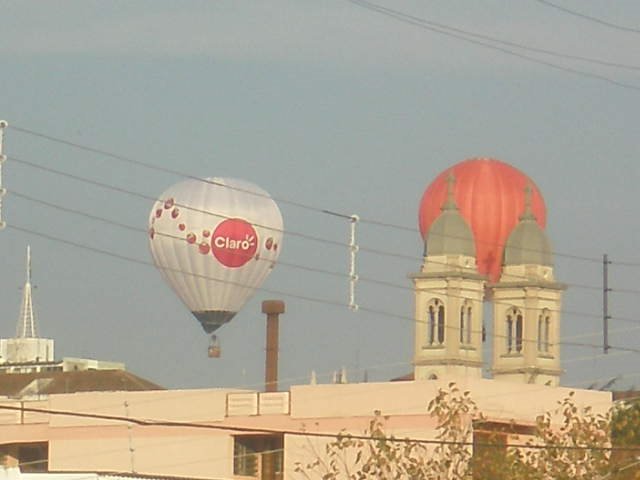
[
  {"x": 171, "y": 405},
  {"x": 502, "y": 400},
  {"x": 81, "y": 444},
  {"x": 153, "y": 452}
]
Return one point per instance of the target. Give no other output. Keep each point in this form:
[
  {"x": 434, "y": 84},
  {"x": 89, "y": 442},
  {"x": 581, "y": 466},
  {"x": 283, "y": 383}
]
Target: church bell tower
[
  {"x": 448, "y": 299},
  {"x": 526, "y": 307}
]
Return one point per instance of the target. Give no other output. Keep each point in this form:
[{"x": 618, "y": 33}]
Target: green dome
[
  {"x": 528, "y": 244},
  {"x": 450, "y": 235}
]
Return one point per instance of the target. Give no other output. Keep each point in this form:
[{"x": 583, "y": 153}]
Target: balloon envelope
[
  {"x": 215, "y": 241},
  {"x": 490, "y": 196}
]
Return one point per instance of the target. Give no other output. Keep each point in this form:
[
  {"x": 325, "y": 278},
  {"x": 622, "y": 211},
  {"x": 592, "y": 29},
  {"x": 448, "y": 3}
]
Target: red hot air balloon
[{"x": 490, "y": 196}]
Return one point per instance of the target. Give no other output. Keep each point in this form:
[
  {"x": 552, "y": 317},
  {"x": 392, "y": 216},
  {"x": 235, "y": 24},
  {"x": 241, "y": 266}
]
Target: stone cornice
[
  {"x": 527, "y": 370},
  {"x": 448, "y": 275},
  {"x": 423, "y": 362},
  {"x": 528, "y": 284}
]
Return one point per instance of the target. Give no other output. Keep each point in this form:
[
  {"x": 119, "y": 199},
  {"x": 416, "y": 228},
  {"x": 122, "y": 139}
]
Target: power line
[
  {"x": 509, "y": 43},
  {"x": 365, "y": 279},
  {"x": 625, "y": 263},
  {"x": 299, "y": 296},
  {"x": 142, "y": 262},
  {"x": 293, "y": 233},
  {"x": 588, "y": 17},
  {"x": 150, "y": 166},
  {"x": 308, "y": 268},
  {"x": 155, "y": 199},
  {"x": 325, "y": 211},
  {"x": 299, "y": 433},
  {"x": 362, "y": 248},
  {"x": 424, "y": 24},
  {"x": 286, "y": 264}
]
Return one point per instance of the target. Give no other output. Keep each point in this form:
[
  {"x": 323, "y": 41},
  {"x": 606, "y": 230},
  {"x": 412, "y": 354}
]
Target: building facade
[{"x": 236, "y": 434}]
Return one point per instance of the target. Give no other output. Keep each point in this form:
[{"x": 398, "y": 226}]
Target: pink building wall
[{"x": 86, "y": 444}]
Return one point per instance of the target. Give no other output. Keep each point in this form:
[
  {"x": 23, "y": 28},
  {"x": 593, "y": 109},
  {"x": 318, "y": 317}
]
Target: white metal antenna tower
[
  {"x": 27, "y": 323},
  {"x": 3, "y": 157}
]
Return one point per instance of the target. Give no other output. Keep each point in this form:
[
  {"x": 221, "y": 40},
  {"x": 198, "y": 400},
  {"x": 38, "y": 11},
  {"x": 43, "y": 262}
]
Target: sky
[{"x": 333, "y": 105}]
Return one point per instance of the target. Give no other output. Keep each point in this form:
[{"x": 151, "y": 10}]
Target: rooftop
[{"x": 45, "y": 383}]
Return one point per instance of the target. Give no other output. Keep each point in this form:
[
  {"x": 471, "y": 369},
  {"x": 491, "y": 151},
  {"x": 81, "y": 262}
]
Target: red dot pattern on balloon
[
  {"x": 168, "y": 203},
  {"x": 175, "y": 212},
  {"x": 234, "y": 242},
  {"x": 182, "y": 227},
  {"x": 204, "y": 248},
  {"x": 191, "y": 238}
]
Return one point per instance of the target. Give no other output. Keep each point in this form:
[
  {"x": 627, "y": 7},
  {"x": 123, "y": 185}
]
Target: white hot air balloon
[{"x": 215, "y": 241}]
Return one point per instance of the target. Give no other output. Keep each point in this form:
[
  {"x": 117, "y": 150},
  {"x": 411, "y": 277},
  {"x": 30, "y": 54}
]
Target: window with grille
[{"x": 258, "y": 456}]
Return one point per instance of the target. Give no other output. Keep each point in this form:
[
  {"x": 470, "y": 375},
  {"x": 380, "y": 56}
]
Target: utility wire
[
  {"x": 365, "y": 279},
  {"x": 508, "y": 43},
  {"x": 421, "y": 23},
  {"x": 370, "y": 280},
  {"x": 155, "y": 199},
  {"x": 142, "y": 262},
  {"x": 303, "y": 297},
  {"x": 362, "y": 248},
  {"x": 299, "y": 433},
  {"x": 352, "y": 371},
  {"x": 588, "y": 17},
  {"x": 151, "y": 166},
  {"x": 625, "y": 264},
  {"x": 41, "y": 461},
  {"x": 278, "y": 199},
  {"x": 286, "y": 264}
]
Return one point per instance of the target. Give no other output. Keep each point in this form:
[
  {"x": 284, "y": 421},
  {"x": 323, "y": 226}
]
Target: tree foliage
[
  {"x": 577, "y": 449},
  {"x": 570, "y": 442}
]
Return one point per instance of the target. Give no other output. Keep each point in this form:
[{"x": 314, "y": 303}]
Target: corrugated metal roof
[
  {"x": 45, "y": 383},
  {"x": 15, "y": 474}
]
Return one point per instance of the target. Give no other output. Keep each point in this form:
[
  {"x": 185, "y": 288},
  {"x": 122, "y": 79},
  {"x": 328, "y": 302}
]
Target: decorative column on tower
[
  {"x": 448, "y": 299},
  {"x": 526, "y": 307}
]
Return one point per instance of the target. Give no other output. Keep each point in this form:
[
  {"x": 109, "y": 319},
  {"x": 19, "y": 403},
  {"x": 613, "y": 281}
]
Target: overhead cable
[
  {"x": 293, "y": 233},
  {"x": 507, "y": 43},
  {"x": 300, "y": 433},
  {"x": 309, "y": 268},
  {"x": 424, "y": 24},
  {"x": 377, "y": 281},
  {"x": 588, "y": 17},
  {"x": 304, "y": 297}
]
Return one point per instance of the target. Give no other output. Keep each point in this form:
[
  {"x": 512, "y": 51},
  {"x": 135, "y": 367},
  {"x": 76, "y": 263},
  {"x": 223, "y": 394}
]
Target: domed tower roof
[
  {"x": 450, "y": 234},
  {"x": 528, "y": 243}
]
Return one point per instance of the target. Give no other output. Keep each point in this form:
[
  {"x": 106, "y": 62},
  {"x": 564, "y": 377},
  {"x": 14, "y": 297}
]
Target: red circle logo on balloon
[{"x": 234, "y": 242}]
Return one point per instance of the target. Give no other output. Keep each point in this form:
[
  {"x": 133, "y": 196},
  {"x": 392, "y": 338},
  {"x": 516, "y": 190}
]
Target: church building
[{"x": 482, "y": 222}]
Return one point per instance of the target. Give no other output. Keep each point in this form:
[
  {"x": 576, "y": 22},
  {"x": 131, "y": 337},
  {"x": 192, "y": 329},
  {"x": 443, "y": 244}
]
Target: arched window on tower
[
  {"x": 547, "y": 327},
  {"x": 540, "y": 333},
  {"x": 465, "y": 323},
  {"x": 431, "y": 324},
  {"x": 519, "y": 328},
  {"x": 441, "y": 325},
  {"x": 544, "y": 326},
  {"x": 514, "y": 330},
  {"x": 435, "y": 322}
]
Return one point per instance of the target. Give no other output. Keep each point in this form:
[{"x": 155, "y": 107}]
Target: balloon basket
[{"x": 214, "y": 348}]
